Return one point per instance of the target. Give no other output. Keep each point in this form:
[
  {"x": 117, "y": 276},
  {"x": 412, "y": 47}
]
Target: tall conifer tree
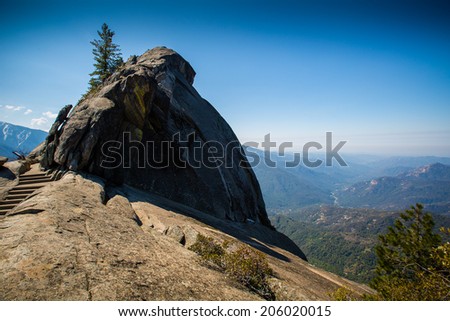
[{"x": 106, "y": 55}]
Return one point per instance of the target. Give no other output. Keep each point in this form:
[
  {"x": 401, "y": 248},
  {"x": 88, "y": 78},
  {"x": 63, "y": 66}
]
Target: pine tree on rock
[
  {"x": 412, "y": 260},
  {"x": 106, "y": 55}
]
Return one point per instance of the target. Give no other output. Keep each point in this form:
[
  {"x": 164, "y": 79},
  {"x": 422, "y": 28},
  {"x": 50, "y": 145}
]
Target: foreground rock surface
[
  {"x": 77, "y": 240},
  {"x": 147, "y": 105}
]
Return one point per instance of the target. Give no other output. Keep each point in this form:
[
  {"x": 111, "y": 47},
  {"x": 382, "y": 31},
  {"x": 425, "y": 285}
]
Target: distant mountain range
[
  {"x": 429, "y": 185},
  {"x": 392, "y": 183},
  {"x": 19, "y": 139},
  {"x": 285, "y": 188}
]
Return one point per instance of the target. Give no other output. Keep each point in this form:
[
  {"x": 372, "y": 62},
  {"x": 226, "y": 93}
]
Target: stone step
[
  {"x": 16, "y": 197},
  {"x": 29, "y": 187},
  {"x": 29, "y": 174},
  {"x": 33, "y": 174},
  {"x": 27, "y": 191},
  {"x": 11, "y": 201},
  {"x": 34, "y": 181},
  {"x": 22, "y": 178},
  {"x": 28, "y": 183},
  {"x": 7, "y": 206}
]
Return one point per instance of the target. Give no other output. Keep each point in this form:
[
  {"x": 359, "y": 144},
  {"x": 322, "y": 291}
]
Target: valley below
[{"x": 336, "y": 213}]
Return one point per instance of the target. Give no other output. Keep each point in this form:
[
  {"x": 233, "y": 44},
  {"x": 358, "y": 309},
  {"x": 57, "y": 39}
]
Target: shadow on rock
[{"x": 253, "y": 234}]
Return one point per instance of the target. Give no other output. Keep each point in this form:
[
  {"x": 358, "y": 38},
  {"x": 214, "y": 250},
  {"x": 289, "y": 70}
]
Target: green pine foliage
[
  {"x": 107, "y": 57},
  {"x": 412, "y": 262}
]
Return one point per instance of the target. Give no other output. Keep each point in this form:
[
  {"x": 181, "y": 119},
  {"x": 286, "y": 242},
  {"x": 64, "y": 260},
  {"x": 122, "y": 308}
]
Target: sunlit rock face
[{"x": 148, "y": 127}]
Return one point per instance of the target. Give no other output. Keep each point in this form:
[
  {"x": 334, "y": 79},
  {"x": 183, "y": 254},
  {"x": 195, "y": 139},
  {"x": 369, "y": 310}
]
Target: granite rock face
[
  {"x": 149, "y": 128},
  {"x": 78, "y": 239},
  {"x": 67, "y": 243}
]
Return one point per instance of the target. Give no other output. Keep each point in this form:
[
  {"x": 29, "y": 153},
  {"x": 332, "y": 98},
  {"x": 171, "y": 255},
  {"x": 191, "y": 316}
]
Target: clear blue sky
[{"x": 375, "y": 73}]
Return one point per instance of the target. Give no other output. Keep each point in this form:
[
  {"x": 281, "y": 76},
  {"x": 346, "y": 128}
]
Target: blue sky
[{"x": 375, "y": 73}]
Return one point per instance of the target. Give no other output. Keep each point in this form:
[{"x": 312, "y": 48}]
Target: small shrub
[
  {"x": 251, "y": 269},
  {"x": 208, "y": 250},
  {"x": 342, "y": 294},
  {"x": 245, "y": 265}
]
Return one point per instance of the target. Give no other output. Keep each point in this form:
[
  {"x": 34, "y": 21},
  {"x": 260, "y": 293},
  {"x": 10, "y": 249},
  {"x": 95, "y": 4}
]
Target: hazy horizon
[{"x": 377, "y": 75}]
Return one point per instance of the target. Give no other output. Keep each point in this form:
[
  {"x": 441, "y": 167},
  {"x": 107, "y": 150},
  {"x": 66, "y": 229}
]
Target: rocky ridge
[
  {"x": 144, "y": 107},
  {"x": 78, "y": 239}
]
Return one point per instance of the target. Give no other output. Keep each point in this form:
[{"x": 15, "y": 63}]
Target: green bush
[
  {"x": 342, "y": 294},
  {"x": 245, "y": 265},
  {"x": 251, "y": 269},
  {"x": 413, "y": 263},
  {"x": 209, "y": 250}
]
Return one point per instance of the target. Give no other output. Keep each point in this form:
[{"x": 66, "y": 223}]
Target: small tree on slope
[{"x": 106, "y": 55}]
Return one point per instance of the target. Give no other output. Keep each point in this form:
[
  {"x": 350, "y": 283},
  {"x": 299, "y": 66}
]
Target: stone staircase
[{"x": 28, "y": 183}]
